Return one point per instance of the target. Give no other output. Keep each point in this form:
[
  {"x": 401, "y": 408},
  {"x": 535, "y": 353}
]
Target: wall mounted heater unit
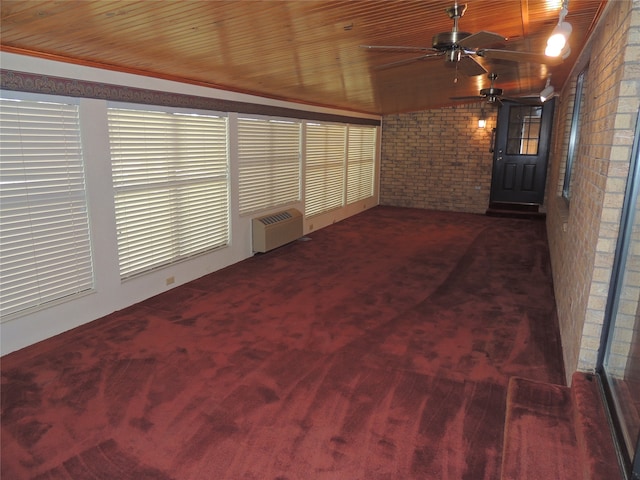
[{"x": 276, "y": 229}]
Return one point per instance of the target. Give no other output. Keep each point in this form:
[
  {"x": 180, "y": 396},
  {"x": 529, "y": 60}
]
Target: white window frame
[
  {"x": 574, "y": 134},
  {"x": 45, "y": 245},
  {"x": 361, "y": 162},
  {"x": 155, "y": 227},
  {"x": 325, "y": 167},
  {"x": 269, "y": 173}
]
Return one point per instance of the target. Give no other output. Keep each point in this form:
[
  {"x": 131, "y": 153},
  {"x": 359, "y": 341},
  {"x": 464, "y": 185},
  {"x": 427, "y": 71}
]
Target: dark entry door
[{"x": 520, "y": 153}]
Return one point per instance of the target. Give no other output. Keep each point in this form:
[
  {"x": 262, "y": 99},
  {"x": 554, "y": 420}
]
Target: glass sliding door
[{"x": 619, "y": 363}]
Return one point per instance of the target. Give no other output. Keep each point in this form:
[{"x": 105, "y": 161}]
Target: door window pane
[{"x": 524, "y": 130}]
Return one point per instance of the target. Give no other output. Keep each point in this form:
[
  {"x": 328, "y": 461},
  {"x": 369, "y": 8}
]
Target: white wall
[{"x": 110, "y": 293}]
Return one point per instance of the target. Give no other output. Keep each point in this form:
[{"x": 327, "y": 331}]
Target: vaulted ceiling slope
[{"x": 307, "y": 51}]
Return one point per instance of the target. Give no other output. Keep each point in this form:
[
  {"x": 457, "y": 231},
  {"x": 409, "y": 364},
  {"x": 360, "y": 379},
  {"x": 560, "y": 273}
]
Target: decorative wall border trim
[{"x": 38, "y": 83}]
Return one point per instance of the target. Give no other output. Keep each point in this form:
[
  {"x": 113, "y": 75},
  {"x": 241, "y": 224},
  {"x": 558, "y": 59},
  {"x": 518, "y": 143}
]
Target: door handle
[{"x": 492, "y": 141}]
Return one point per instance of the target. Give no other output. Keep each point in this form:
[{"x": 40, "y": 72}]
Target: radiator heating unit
[{"x": 276, "y": 229}]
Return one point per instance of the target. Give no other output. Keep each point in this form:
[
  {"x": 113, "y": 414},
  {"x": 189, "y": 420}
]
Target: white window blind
[
  {"x": 360, "y": 163},
  {"x": 45, "y": 249},
  {"x": 269, "y": 163},
  {"x": 325, "y": 167},
  {"x": 170, "y": 176}
]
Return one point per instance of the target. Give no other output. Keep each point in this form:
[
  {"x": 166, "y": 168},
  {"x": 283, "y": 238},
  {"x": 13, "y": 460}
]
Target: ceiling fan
[
  {"x": 494, "y": 95},
  {"x": 462, "y": 48}
]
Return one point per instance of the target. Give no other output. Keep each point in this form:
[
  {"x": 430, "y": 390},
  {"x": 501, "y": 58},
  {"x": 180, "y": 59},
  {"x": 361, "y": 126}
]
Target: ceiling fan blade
[
  {"x": 515, "y": 56},
  {"x": 392, "y": 48},
  {"x": 406, "y": 61},
  {"x": 472, "y": 97},
  {"x": 470, "y": 66},
  {"x": 481, "y": 39},
  {"x": 529, "y": 100}
]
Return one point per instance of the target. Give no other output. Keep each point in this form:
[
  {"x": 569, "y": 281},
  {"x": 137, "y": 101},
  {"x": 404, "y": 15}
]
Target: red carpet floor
[{"x": 381, "y": 348}]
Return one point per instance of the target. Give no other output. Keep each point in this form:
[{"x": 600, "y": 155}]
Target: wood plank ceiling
[{"x": 306, "y": 51}]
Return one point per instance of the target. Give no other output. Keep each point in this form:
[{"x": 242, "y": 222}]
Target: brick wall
[
  {"x": 583, "y": 231},
  {"x": 437, "y": 159}
]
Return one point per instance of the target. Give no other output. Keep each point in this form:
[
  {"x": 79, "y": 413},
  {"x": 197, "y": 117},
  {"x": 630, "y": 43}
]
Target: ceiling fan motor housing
[
  {"x": 491, "y": 92},
  {"x": 447, "y": 40}
]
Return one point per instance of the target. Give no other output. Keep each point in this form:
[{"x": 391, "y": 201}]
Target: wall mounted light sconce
[
  {"x": 482, "y": 120},
  {"x": 548, "y": 91},
  {"x": 557, "y": 42}
]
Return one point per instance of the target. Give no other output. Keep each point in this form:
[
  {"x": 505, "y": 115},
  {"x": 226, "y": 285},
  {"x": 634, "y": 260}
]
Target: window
[
  {"x": 576, "y": 122},
  {"x": 45, "y": 245},
  {"x": 360, "y": 163},
  {"x": 269, "y": 163},
  {"x": 325, "y": 167},
  {"x": 170, "y": 175},
  {"x": 523, "y": 135}
]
